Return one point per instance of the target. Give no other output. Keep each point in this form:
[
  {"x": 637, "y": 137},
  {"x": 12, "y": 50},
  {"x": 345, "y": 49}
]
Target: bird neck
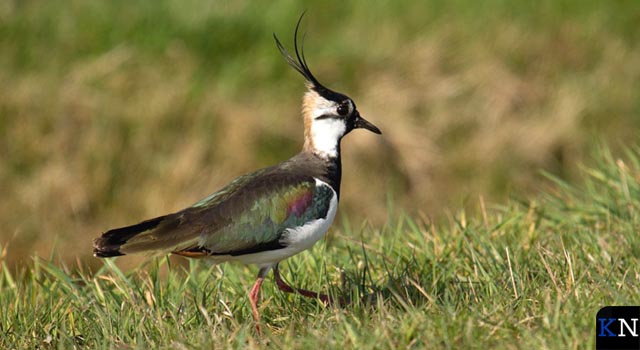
[
  {"x": 334, "y": 172},
  {"x": 328, "y": 170},
  {"x": 322, "y": 146}
]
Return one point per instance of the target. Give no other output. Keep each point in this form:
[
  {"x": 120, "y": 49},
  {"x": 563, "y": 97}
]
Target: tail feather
[{"x": 109, "y": 243}]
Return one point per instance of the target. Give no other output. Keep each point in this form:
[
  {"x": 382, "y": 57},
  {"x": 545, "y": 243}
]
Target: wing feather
[{"x": 248, "y": 215}]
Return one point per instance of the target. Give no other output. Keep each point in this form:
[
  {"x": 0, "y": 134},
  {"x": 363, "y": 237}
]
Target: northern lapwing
[{"x": 266, "y": 216}]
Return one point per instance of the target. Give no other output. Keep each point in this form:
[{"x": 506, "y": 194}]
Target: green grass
[
  {"x": 116, "y": 111},
  {"x": 527, "y": 275}
]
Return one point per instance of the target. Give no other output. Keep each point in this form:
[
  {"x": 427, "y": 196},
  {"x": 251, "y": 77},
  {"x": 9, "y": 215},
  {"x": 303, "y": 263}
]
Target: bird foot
[{"x": 325, "y": 299}]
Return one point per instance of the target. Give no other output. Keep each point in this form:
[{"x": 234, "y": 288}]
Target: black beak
[{"x": 361, "y": 123}]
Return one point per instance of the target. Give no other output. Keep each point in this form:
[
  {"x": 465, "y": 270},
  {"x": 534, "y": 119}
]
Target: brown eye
[{"x": 343, "y": 109}]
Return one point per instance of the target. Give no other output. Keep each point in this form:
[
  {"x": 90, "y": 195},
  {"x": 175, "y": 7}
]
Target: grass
[
  {"x": 526, "y": 275},
  {"x": 122, "y": 110}
]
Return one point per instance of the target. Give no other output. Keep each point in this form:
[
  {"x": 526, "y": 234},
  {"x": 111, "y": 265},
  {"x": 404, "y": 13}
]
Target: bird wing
[{"x": 247, "y": 216}]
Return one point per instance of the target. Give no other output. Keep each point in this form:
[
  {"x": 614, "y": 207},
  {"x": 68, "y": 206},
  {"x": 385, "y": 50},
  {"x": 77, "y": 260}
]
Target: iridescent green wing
[
  {"x": 262, "y": 210},
  {"x": 248, "y": 215}
]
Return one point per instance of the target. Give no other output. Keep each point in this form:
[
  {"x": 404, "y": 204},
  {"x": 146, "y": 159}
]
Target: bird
[{"x": 266, "y": 216}]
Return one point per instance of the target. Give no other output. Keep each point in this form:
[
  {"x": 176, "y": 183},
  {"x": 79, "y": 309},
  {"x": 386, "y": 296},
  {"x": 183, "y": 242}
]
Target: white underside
[{"x": 296, "y": 239}]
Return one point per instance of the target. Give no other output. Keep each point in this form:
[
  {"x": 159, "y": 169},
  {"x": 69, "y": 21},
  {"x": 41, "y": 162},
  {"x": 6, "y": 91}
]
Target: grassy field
[
  {"x": 114, "y": 111},
  {"x": 448, "y": 236},
  {"x": 526, "y": 275}
]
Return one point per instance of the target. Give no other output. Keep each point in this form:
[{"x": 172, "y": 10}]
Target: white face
[
  {"x": 328, "y": 126},
  {"x": 326, "y": 135}
]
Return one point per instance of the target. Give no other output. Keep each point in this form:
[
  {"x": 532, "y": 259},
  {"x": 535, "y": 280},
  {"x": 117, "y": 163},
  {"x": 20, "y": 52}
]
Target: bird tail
[{"x": 111, "y": 242}]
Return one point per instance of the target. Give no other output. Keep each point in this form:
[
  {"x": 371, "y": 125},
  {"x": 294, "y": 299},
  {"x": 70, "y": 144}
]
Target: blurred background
[{"x": 116, "y": 111}]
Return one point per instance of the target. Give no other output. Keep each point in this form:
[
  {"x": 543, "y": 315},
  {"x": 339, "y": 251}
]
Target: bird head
[{"x": 328, "y": 115}]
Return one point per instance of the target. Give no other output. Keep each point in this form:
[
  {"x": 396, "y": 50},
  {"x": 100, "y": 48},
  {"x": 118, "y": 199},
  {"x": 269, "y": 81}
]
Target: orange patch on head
[{"x": 308, "y": 105}]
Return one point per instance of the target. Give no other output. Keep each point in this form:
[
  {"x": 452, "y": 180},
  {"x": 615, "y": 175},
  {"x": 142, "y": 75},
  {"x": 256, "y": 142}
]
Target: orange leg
[
  {"x": 254, "y": 297},
  {"x": 283, "y": 286}
]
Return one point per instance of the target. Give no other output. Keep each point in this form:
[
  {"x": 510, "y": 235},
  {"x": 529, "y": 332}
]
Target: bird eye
[{"x": 343, "y": 109}]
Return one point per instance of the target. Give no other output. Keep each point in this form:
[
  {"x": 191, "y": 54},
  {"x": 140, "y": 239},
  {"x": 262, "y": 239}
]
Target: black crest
[{"x": 300, "y": 64}]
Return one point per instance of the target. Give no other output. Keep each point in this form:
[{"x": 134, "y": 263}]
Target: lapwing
[{"x": 266, "y": 216}]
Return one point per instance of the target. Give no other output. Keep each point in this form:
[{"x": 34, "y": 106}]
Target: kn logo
[{"x": 617, "y": 328}]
